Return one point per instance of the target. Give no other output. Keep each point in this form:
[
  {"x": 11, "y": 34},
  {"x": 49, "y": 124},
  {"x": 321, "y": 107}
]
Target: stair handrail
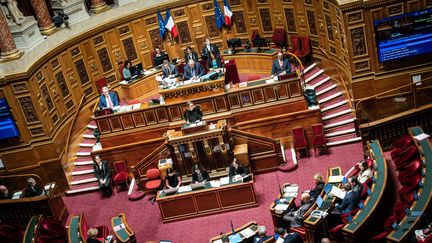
[
  {"x": 300, "y": 73},
  {"x": 68, "y": 138},
  {"x": 341, "y": 79},
  {"x": 389, "y": 91},
  {"x": 267, "y": 139},
  {"x": 144, "y": 162}
]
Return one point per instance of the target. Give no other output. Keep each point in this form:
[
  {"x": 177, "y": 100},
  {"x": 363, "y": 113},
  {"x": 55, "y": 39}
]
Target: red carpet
[{"x": 145, "y": 218}]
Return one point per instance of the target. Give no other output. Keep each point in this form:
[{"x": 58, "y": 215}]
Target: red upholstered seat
[
  {"x": 403, "y": 141},
  {"x": 103, "y": 230},
  {"x": 49, "y": 239},
  {"x": 295, "y": 43},
  {"x": 279, "y": 37},
  {"x": 52, "y": 227},
  {"x": 180, "y": 68},
  {"x": 10, "y": 233},
  {"x": 120, "y": 69},
  {"x": 337, "y": 228},
  {"x": 299, "y": 138},
  {"x": 380, "y": 237},
  {"x": 411, "y": 180},
  {"x": 318, "y": 140},
  {"x": 299, "y": 230},
  {"x": 364, "y": 192},
  {"x": 410, "y": 170},
  {"x": 254, "y": 35},
  {"x": 153, "y": 181},
  {"x": 100, "y": 83},
  {"x": 406, "y": 199},
  {"x": 305, "y": 53},
  {"x": 406, "y": 156},
  {"x": 121, "y": 176}
]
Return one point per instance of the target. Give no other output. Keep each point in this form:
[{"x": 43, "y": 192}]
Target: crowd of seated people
[{"x": 32, "y": 190}]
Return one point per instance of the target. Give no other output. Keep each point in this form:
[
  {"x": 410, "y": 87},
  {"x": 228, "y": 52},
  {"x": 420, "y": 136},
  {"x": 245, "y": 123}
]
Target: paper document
[
  {"x": 184, "y": 189},
  {"x": 337, "y": 192},
  {"x": 243, "y": 84},
  {"x": 290, "y": 194},
  {"x": 17, "y": 195},
  {"x": 136, "y": 106},
  {"x": 319, "y": 214},
  {"x": 159, "y": 78},
  {"x": 421, "y": 136},
  {"x": 119, "y": 227},
  {"x": 123, "y": 82},
  {"x": 215, "y": 183},
  {"x": 281, "y": 207},
  {"x": 247, "y": 232},
  {"x": 270, "y": 81},
  {"x": 218, "y": 241},
  {"x": 280, "y": 240},
  {"x": 290, "y": 189},
  {"x": 335, "y": 179},
  {"x": 224, "y": 180},
  {"x": 148, "y": 72}
]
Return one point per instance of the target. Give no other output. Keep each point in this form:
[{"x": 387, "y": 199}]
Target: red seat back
[
  {"x": 255, "y": 35},
  {"x": 120, "y": 68},
  {"x": 279, "y": 37},
  {"x": 180, "y": 68},
  {"x": 317, "y": 129},
  {"x": 295, "y": 42},
  {"x": 305, "y": 46},
  {"x": 153, "y": 174},
  {"x": 101, "y": 83},
  {"x": 120, "y": 166}
]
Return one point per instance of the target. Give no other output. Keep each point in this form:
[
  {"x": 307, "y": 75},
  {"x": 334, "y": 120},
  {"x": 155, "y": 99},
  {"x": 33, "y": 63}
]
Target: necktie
[
  {"x": 193, "y": 72},
  {"x": 109, "y": 102},
  {"x": 281, "y": 64}
]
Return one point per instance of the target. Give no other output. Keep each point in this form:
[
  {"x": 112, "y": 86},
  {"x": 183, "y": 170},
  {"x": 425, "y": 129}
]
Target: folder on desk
[
  {"x": 235, "y": 238},
  {"x": 337, "y": 192},
  {"x": 247, "y": 233},
  {"x": 224, "y": 180}
]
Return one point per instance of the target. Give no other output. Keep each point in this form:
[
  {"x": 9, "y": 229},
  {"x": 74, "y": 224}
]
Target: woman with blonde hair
[{"x": 92, "y": 234}]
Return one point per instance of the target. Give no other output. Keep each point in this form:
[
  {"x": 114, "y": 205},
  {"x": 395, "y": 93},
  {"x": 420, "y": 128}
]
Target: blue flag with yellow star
[
  {"x": 161, "y": 23},
  {"x": 220, "y": 18}
]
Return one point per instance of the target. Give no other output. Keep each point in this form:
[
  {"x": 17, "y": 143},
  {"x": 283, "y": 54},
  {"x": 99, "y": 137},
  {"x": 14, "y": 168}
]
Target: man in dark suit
[
  {"x": 4, "y": 194},
  {"x": 169, "y": 70},
  {"x": 285, "y": 237},
  {"x": 280, "y": 66},
  {"x": 350, "y": 201},
  {"x": 103, "y": 174},
  {"x": 208, "y": 48},
  {"x": 108, "y": 99},
  {"x": 296, "y": 217},
  {"x": 193, "y": 70},
  {"x": 32, "y": 189},
  {"x": 190, "y": 54}
]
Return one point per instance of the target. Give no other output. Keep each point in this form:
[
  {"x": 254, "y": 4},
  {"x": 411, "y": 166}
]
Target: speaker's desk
[
  {"x": 254, "y": 61},
  {"x": 141, "y": 88},
  {"x": 209, "y": 200}
]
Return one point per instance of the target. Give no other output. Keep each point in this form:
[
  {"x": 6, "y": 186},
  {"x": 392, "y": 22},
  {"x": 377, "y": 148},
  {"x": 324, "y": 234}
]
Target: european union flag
[
  {"x": 220, "y": 18},
  {"x": 161, "y": 23}
]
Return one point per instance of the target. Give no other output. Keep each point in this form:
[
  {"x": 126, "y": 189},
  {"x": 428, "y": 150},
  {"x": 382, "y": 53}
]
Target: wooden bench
[{"x": 121, "y": 229}]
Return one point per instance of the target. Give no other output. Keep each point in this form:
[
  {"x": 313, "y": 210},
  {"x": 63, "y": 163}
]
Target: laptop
[
  {"x": 170, "y": 191},
  {"x": 323, "y": 205},
  {"x": 196, "y": 186},
  {"x": 137, "y": 70}
]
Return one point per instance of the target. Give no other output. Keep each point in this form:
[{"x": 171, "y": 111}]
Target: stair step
[
  {"x": 85, "y": 189},
  {"x": 321, "y": 82},
  {"x": 81, "y": 163},
  {"x": 340, "y": 123},
  {"x": 309, "y": 68},
  {"x": 91, "y": 126},
  {"x": 83, "y": 181},
  {"x": 335, "y": 95},
  {"x": 82, "y": 177},
  {"x": 314, "y": 76},
  {"x": 339, "y": 142},
  {"x": 343, "y": 132},
  {"x": 87, "y": 145},
  {"x": 335, "y": 105},
  {"x": 83, "y": 154},
  {"x": 82, "y": 172},
  {"x": 326, "y": 89},
  {"x": 88, "y": 136},
  {"x": 340, "y": 113}
]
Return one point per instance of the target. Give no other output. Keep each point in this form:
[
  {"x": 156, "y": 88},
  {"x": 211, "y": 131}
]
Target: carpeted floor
[{"x": 145, "y": 218}]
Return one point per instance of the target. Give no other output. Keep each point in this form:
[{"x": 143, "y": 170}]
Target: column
[
  {"x": 98, "y": 5},
  {"x": 192, "y": 152},
  {"x": 7, "y": 44},
  {"x": 46, "y": 25},
  {"x": 209, "y": 155}
]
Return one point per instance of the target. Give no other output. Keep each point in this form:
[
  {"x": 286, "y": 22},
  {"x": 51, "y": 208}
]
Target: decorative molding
[
  {"x": 314, "y": 43},
  {"x": 207, "y": 6},
  {"x": 104, "y": 60},
  {"x": 28, "y": 109},
  {"x": 212, "y": 29},
  {"x": 239, "y": 22},
  {"x": 62, "y": 84},
  {"x": 124, "y": 30},
  {"x": 36, "y": 132},
  {"x": 82, "y": 71},
  {"x": 261, "y": 1},
  {"x": 183, "y": 29},
  {"x": 129, "y": 48},
  {"x": 55, "y": 118},
  {"x": 55, "y": 63},
  {"x": 265, "y": 19},
  {"x": 290, "y": 20},
  {"x": 47, "y": 97},
  {"x": 329, "y": 27},
  {"x": 155, "y": 38},
  {"x": 179, "y": 12},
  {"x": 395, "y": 9},
  {"x": 39, "y": 76},
  {"x": 88, "y": 91},
  {"x": 70, "y": 104},
  {"x": 150, "y": 21},
  {"x": 355, "y": 17},
  {"x": 326, "y": 5},
  {"x": 252, "y": 21},
  {"x": 332, "y": 50},
  {"x": 235, "y": 2},
  {"x": 362, "y": 66},
  {"x": 308, "y": 2},
  {"x": 111, "y": 78},
  {"x": 358, "y": 41},
  {"x": 98, "y": 40},
  {"x": 20, "y": 87},
  {"x": 75, "y": 51}
]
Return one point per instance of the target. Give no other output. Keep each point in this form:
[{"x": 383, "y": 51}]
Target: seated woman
[
  {"x": 365, "y": 172},
  {"x": 319, "y": 185},
  {"x": 214, "y": 62},
  {"x": 126, "y": 70},
  {"x": 172, "y": 179},
  {"x": 237, "y": 169},
  {"x": 199, "y": 174},
  {"x": 92, "y": 234}
]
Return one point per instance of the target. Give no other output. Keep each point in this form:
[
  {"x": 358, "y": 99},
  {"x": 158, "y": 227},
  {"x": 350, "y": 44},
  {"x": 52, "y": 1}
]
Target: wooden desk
[
  {"x": 313, "y": 225},
  {"x": 354, "y": 228},
  {"x": 241, "y": 153},
  {"x": 125, "y": 234},
  {"x": 20, "y": 211},
  {"x": 408, "y": 223},
  {"x": 261, "y": 64},
  {"x": 30, "y": 232},
  {"x": 207, "y": 201},
  {"x": 193, "y": 91},
  {"x": 251, "y": 225},
  {"x": 140, "y": 89},
  {"x": 278, "y": 215}
]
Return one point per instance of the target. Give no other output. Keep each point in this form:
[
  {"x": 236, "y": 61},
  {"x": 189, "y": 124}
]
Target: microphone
[{"x": 232, "y": 227}]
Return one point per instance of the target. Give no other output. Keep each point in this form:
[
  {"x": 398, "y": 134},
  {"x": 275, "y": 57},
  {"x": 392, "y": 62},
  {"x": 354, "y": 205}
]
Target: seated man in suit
[
  {"x": 209, "y": 48},
  {"x": 159, "y": 57},
  {"x": 350, "y": 201},
  {"x": 190, "y": 55},
  {"x": 32, "y": 189},
  {"x": 169, "y": 70},
  {"x": 296, "y": 217},
  {"x": 108, "y": 99},
  {"x": 355, "y": 185},
  {"x": 280, "y": 66},
  {"x": 103, "y": 174},
  {"x": 193, "y": 70},
  {"x": 236, "y": 169},
  {"x": 284, "y": 237},
  {"x": 4, "y": 193},
  {"x": 262, "y": 235},
  {"x": 192, "y": 113}
]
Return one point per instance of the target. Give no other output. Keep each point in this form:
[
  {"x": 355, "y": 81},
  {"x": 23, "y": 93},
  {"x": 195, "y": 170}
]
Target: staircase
[
  {"x": 83, "y": 178},
  {"x": 338, "y": 118}
]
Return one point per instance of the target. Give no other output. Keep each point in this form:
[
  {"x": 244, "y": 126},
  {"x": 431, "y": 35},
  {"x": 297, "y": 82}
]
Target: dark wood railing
[{"x": 69, "y": 136}]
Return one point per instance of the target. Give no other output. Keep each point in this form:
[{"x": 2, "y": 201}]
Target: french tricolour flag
[
  {"x": 170, "y": 24},
  {"x": 228, "y": 13}
]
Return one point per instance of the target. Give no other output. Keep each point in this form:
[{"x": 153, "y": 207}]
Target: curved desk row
[
  {"x": 408, "y": 224},
  {"x": 377, "y": 190}
]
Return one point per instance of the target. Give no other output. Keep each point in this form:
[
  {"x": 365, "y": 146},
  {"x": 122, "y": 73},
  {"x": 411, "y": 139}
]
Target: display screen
[
  {"x": 8, "y": 127},
  {"x": 404, "y": 35}
]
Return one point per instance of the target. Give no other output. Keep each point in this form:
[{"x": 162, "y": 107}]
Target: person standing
[
  {"x": 190, "y": 55},
  {"x": 103, "y": 174},
  {"x": 209, "y": 48},
  {"x": 280, "y": 66},
  {"x": 193, "y": 113}
]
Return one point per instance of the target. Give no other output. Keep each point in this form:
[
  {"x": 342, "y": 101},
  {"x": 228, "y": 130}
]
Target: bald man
[
  {"x": 193, "y": 70},
  {"x": 296, "y": 217},
  {"x": 4, "y": 194}
]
